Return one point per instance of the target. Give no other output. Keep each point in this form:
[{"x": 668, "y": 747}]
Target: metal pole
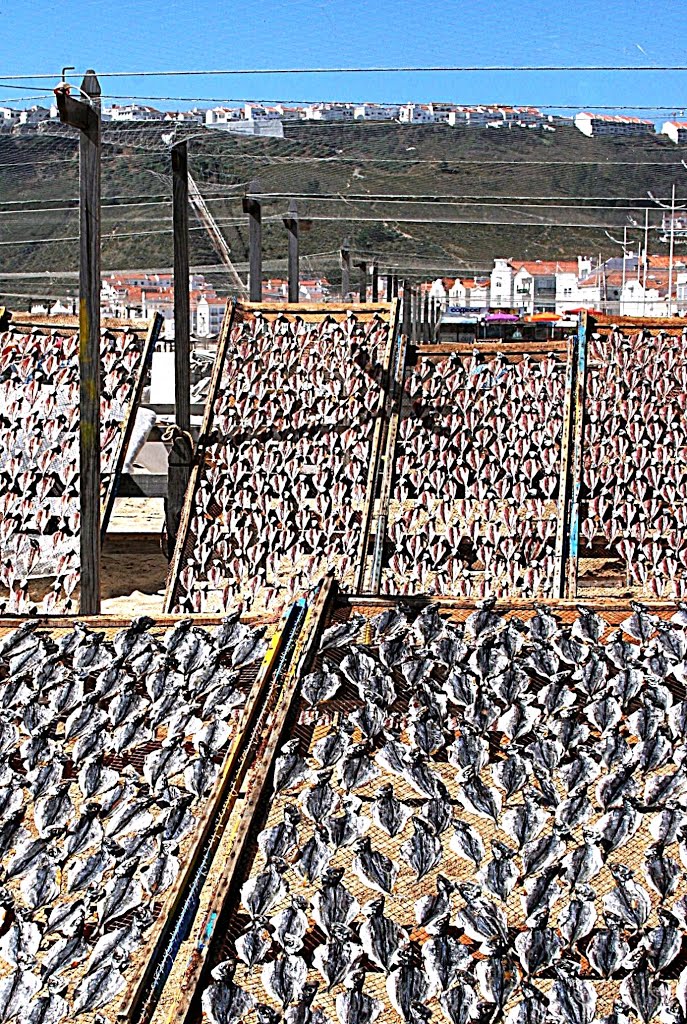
[
  {"x": 672, "y": 250},
  {"x": 345, "y": 270},
  {"x": 291, "y": 225},
  {"x": 85, "y": 115},
  {"x": 253, "y": 208},
  {"x": 182, "y": 308}
]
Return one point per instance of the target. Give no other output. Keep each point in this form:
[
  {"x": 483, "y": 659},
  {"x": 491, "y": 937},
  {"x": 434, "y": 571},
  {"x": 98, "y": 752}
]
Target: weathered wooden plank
[
  {"x": 137, "y": 999},
  {"x": 375, "y": 455},
  {"x": 564, "y": 476},
  {"x": 389, "y": 460},
  {"x": 492, "y": 346},
  {"x": 185, "y": 521},
  {"x": 237, "y": 826}
]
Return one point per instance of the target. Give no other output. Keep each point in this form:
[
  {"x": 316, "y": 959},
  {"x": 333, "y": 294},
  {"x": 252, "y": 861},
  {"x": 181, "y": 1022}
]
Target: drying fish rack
[
  {"x": 311, "y": 313},
  {"x": 147, "y": 332},
  {"x": 277, "y": 716},
  {"x": 175, "y": 912},
  {"x": 388, "y": 508}
]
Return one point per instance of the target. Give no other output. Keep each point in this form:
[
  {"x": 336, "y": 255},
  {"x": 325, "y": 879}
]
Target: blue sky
[{"x": 132, "y": 35}]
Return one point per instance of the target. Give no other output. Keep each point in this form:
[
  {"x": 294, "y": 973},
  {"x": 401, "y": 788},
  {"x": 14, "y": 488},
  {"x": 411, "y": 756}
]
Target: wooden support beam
[
  {"x": 564, "y": 476},
  {"x": 375, "y": 282},
  {"x": 363, "y": 280},
  {"x": 85, "y": 115},
  {"x": 389, "y": 286},
  {"x": 182, "y": 306},
  {"x": 291, "y": 225},
  {"x": 573, "y": 527},
  {"x": 407, "y": 313},
  {"x": 253, "y": 208},
  {"x": 394, "y": 287},
  {"x": 345, "y": 269}
]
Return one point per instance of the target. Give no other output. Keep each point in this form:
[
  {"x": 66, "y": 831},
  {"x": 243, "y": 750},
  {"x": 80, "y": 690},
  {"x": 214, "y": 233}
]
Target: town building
[
  {"x": 416, "y": 113},
  {"x": 612, "y": 124},
  {"x": 376, "y": 111},
  {"x": 8, "y": 116},
  {"x": 34, "y": 115},
  {"x": 330, "y": 112},
  {"x": 676, "y": 131},
  {"x": 134, "y": 112}
]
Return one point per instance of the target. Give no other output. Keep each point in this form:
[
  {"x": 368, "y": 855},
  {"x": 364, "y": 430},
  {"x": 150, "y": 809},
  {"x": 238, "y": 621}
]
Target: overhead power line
[{"x": 359, "y": 70}]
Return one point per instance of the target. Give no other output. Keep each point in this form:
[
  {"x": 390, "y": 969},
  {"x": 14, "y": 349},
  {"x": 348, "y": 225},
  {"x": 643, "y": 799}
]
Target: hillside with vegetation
[{"x": 425, "y": 199}]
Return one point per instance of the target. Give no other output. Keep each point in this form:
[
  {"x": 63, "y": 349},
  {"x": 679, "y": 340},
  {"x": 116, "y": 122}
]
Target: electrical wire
[{"x": 360, "y": 70}]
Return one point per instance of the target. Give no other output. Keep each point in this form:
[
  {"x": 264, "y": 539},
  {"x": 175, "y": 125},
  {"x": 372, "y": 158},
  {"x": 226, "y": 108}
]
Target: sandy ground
[{"x": 134, "y": 569}]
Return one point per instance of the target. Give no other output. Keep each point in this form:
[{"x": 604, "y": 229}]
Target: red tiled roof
[
  {"x": 616, "y": 118},
  {"x": 545, "y": 267}
]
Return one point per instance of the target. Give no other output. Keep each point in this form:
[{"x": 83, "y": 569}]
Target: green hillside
[{"x": 549, "y": 195}]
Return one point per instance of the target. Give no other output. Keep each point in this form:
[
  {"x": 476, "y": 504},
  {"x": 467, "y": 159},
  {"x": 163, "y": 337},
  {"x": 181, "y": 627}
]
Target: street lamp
[{"x": 672, "y": 208}]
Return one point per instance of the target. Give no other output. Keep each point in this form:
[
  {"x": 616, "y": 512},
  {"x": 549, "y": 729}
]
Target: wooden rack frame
[{"x": 311, "y": 313}]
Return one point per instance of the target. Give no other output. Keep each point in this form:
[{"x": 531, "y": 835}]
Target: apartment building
[{"x": 612, "y": 124}]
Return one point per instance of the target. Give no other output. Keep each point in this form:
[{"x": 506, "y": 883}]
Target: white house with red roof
[
  {"x": 676, "y": 131},
  {"x": 591, "y": 124}
]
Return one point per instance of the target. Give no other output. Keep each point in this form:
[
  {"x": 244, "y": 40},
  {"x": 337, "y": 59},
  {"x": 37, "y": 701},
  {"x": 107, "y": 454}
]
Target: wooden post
[
  {"x": 389, "y": 286},
  {"x": 345, "y": 270},
  {"x": 253, "y": 208},
  {"x": 394, "y": 287},
  {"x": 375, "y": 282},
  {"x": 576, "y": 454},
  {"x": 415, "y": 316},
  {"x": 426, "y": 329},
  {"x": 291, "y": 225},
  {"x": 363, "y": 280},
  {"x": 406, "y": 307},
  {"x": 85, "y": 115},
  {"x": 182, "y": 307}
]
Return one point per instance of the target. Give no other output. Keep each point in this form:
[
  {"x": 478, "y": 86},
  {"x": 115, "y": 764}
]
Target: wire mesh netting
[
  {"x": 634, "y": 482},
  {"x": 469, "y": 816},
  {"x": 475, "y": 506},
  {"x": 39, "y": 449},
  {"x": 280, "y": 492}
]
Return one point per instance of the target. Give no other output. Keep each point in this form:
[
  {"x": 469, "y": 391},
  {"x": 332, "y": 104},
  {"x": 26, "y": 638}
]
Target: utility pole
[
  {"x": 253, "y": 208},
  {"x": 180, "y": 452},
  {"x": 363, "y": 280},
  {"x": 291, "y": 225},
  {"x": 375, "y": 282},
  {"x": 624, "y": 247},
  {"x": 84, "y": 114},
  {"x": 182, "y": 307},
  {"x": 345, "y": 269}
]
